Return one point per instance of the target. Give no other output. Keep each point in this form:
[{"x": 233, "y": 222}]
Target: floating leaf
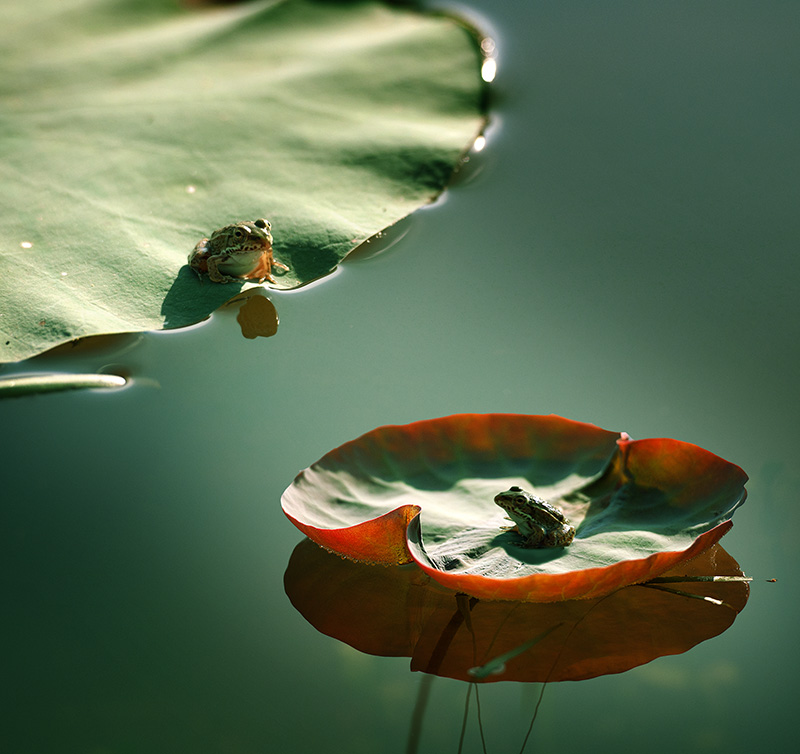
[
  {"x": 399, "y": 611},
  {"x": 424, "y": 492},
  {"x": 19, "y": 385},
  {"x": 132, "y": 130}
]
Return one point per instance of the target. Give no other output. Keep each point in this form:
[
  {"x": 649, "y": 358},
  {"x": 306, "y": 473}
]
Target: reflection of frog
[
  {"x": 236, "y": 252},
  {"x": 541, "y": 524}
]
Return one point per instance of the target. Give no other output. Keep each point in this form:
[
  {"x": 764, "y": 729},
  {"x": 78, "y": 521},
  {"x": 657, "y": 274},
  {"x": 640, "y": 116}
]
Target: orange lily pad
[{"x": 424, "y": 493}]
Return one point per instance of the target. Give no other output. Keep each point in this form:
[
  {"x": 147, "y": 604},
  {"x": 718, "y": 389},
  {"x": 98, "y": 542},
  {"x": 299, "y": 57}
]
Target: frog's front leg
[
  {"x": 514, "y": 526},
  {"x": 214, "y": 273},
  {"x": 263, "y": 269}
]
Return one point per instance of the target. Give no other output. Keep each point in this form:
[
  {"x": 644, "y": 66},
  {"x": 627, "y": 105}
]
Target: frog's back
[{"x": 546, "y": 514}]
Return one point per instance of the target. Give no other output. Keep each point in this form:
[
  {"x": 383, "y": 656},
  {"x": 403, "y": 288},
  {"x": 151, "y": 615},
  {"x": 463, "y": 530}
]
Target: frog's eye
[{"x": 238, "y": 233}]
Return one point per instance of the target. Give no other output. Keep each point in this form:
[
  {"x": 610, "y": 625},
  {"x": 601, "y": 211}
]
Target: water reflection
[
  {"x": 489, "y": 70},
  {"x": 255, "y": 313},
  {"x": 489, "y": 66},
  {"x": 398, "y": 611}
]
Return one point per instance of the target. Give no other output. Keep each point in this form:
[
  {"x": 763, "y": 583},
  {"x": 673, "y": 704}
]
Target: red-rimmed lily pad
[{"x": 424, "y": 492}]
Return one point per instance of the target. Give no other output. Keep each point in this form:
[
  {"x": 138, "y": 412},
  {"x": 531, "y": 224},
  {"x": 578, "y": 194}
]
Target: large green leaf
[{"x": 130, "y": 130}]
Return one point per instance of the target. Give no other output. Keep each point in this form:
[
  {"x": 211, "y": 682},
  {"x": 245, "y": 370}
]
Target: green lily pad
[
  {"x": 131, "y": 130},
  {"x": 424, "y": 492}
]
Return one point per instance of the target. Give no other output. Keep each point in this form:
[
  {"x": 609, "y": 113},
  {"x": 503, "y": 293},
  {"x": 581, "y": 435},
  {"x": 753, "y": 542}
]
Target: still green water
[{"x": 623, "y": 252}]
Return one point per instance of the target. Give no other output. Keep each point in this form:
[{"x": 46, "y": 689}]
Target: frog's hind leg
[
  {"x": 537, "y": 538},
  {"x": 559, "y": 537}
]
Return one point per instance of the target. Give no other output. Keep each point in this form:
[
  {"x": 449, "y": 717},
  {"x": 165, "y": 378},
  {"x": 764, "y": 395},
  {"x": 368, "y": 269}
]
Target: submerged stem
[{"x": 415, "y": 731}]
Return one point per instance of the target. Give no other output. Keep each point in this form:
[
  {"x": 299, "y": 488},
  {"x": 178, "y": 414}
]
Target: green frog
[
  {"x": 241, "y": 251},
  {"x": 539, "y": 522}
]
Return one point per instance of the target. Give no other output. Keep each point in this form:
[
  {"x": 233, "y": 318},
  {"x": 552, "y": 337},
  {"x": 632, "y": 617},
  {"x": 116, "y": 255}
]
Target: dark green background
[{"x": 623, "y": 252}]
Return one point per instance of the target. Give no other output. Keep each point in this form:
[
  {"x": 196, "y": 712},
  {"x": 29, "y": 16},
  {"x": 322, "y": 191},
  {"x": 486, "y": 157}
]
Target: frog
[
  {"x": 241, "y": 251},
  {"x": 540, "y": 523}
]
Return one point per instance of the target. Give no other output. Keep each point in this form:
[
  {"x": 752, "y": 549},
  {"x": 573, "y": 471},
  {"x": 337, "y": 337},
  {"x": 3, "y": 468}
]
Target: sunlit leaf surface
[
  {"x": 424, "y": 492},
  {"x": 130, "y": 130}
]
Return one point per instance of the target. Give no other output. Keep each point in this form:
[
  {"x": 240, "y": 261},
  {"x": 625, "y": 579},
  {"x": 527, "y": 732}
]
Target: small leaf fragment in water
[{"x": 49, "y": 383}]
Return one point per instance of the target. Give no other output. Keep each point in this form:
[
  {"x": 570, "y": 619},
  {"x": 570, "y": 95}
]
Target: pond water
[{"x": 622, "y": 252}]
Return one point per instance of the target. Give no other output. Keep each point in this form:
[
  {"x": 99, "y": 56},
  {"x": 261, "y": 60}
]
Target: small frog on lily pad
[
  {"x": 241, "y": 251},
  {"x": 540, "y": 523}
]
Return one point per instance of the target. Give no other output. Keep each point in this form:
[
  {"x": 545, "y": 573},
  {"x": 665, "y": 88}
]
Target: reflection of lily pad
[
  {"x": 132, "y": 130},
  {"x": 424, "y": 492},
  {"x": 398, "y": 611}
]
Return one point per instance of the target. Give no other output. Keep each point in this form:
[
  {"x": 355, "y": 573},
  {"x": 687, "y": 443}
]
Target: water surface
[{"x": 623, "y": 252}]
